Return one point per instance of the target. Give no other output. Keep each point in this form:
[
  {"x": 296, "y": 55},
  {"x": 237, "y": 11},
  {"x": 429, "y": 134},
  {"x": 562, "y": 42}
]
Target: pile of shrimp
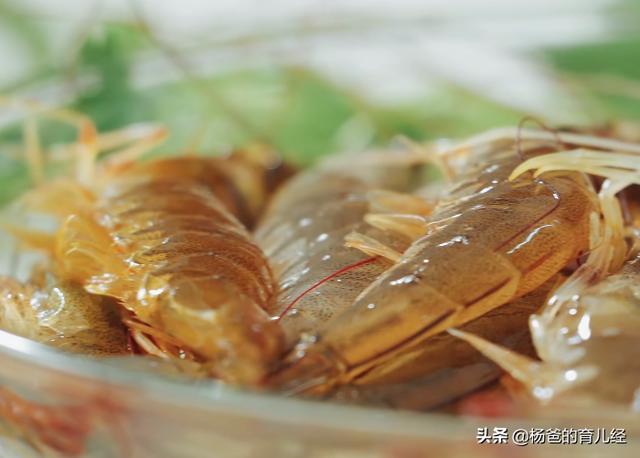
[{"x": 408, "y": 277}]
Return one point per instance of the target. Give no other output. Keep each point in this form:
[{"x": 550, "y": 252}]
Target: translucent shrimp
[
  {"x": 492, "y": 242},
  {"x": 303, "y": 233},
  {"x": 165, "y": 239},
  {"x": 434, "y": 375},
  {"x": 63, "y": 315},
  {"x": 587, "y": 335}
]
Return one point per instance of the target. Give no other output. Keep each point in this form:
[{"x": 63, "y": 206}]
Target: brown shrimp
[
  {"x": 303, "y": 232},
  {"x": 492, "y": 242},
  {"x": 164, "y": 238}
]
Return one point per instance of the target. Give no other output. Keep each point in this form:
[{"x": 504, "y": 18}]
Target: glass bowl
[{"x": 388, "y": 51}]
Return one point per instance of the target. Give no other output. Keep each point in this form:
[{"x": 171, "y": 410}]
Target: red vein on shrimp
[{"x": 320, "y": 282}]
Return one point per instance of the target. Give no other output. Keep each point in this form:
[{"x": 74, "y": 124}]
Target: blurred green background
[{"x": 295, "y": 107}]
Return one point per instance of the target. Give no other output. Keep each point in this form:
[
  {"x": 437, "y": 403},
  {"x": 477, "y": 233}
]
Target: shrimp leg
[
  {"x": 65, "y": 196},
  {"x": 87, "y": 147},
  {"x": 33, "y": 151}
]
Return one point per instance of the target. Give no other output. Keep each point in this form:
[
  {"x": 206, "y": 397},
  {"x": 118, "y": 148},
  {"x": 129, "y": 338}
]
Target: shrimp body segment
[
  {"x": 435, "y": 374},
  {"x": 167, "y": 238},
  {"x": 491, "y": 242},
  {"x": 303, "y": 233},
  {"x": 161, "y": 238}
]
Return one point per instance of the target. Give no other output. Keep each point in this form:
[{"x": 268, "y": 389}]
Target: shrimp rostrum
[
  {"x": 165, "y": 239},
  {"x": 487, "y": 246}
]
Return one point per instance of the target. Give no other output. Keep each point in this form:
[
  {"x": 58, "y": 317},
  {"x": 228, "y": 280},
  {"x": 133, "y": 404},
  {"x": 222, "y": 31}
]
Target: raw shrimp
[
  {"x": 303, "y": 234},
  {"x": 587, "y": 334},
  {"x": 164, "y": 239},
  {"x": 433, "y": 375},
  {"x": 492, "y": 242},
  {"x": 63, "y": 315}
]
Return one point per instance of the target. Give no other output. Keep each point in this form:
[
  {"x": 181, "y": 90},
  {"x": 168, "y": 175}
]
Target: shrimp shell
[
  {"x": 494, "y": 241},
  {"x": 586, "y": 335},
  {"x": 446, "y": 369},
  {"x": 64, "y": 316},
  {"x": 160, "y": 238},
  {"x": 302, "y": 234}
]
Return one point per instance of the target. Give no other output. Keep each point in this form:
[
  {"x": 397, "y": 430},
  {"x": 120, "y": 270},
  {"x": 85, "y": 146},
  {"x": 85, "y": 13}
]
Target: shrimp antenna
[
  {"x": 183, "y": 67},
  {"x": 540, "y": 123},
  {"x": 86, "y": 146}
]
